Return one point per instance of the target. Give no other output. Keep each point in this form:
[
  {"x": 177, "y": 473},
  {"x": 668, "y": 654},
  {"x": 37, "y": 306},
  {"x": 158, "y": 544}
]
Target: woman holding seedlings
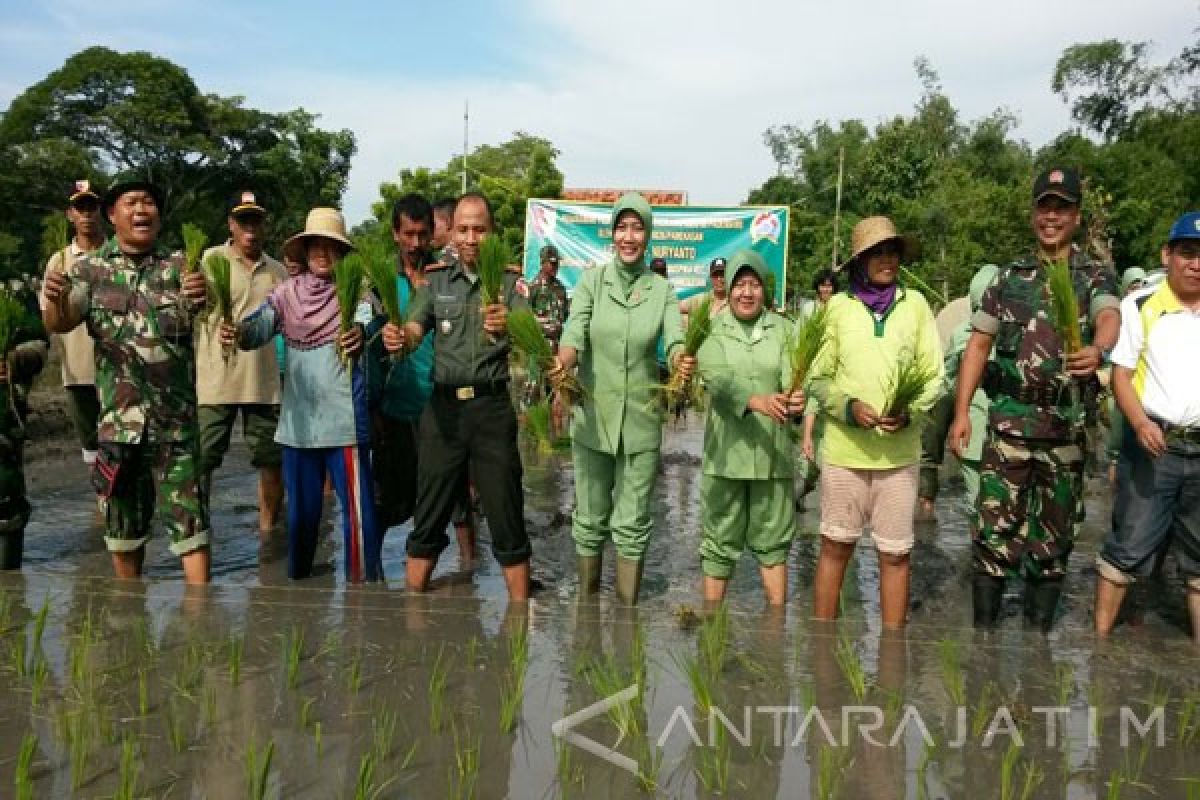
[
  {"x": 618, "y": 313},
  {"x": 746, "y": 488},
  {"x": 323, "y": 423},
  {"x": 880, "y": 368}
]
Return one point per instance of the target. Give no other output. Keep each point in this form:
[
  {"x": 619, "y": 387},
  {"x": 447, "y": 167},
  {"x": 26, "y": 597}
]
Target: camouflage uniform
[
  {"x": 548, "y": 302},
  {"x": 1031, "y": 479},
  {"x": 146, "y": 380},
  {"x": 27, "y": 355}
]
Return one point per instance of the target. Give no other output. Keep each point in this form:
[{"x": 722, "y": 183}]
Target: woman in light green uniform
[
  {"x": 746, "y": 488},
  {"x": 618, "y": 313}
]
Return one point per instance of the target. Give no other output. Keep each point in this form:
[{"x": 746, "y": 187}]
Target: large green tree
[
  {"x": 508, "y": 174},
  {"x": 104, "y": 113}
]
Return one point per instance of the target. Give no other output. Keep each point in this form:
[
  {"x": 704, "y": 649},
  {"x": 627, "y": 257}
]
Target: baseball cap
[
  {"x": 1186, "y": 227},
  {"x": 1058, "y": 181},
  {"x": 716, "y": 265},
  {"x": 246, "y": 202},
  {"x": 81, "y": 189},
  {"x": 549, "y": 253},
  {"x": 1131, "y": 276}
]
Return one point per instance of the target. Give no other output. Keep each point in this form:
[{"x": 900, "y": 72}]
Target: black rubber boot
[
  {"x": 1041, "y": 603},
  {"x": 12, "y": 549},
  {"x": 987, "y": 592}
]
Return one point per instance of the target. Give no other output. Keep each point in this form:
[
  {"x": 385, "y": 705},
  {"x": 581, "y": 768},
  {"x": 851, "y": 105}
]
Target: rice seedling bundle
[
  {"x": 807, "y": 341},
  {"x": 380, "y": 271},
  {"x": 537, "y": 425},
  {"x": 194, "y": 242},
  {"x": 908, "y": 382},
  {"x": 526, "y": 336},
  {"x": 219, "y": 274},
  {"x": 56, "y": 237},
  {"x": 493, "y": 258},
  {"x": 680, "y": 393},
  {"x": 348, "y": 280},
  {"x": 1064, "y": 305},
  {"x": 12, "y": 316}
]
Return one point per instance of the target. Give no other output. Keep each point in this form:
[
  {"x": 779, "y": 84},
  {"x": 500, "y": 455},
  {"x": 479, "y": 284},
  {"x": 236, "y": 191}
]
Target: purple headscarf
[
  {"x": 309, "y": 310},
  {"x": 877, "y": 298}
]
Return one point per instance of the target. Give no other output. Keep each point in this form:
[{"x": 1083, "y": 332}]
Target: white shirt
[{"x": 1159, "y": 339}]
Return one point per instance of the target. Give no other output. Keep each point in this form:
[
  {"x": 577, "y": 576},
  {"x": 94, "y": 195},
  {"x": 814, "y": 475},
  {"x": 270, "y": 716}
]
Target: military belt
[
  {"x": 1045, "y": 396},
  {"x": 470, "y": 391},
  {"x": 1179, "y": 433}
]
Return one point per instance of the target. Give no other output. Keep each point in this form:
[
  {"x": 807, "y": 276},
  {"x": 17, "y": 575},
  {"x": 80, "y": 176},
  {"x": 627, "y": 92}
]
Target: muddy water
[{"x": 374, "y": 693}]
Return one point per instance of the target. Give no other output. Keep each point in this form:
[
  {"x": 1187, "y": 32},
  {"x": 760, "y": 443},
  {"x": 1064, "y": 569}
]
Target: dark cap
[
  {"x": 550, "y": 253},
  {"x": 1186, "y": 227},
  {"x": 245, "y": 202},
  {"x": 1059, "y": 181},
  {"x": 131, "y": 182},
  {"x": 659, "y": 265},
  {"x": 716, "y": 265},
  {"x": 80, "y": 190}
]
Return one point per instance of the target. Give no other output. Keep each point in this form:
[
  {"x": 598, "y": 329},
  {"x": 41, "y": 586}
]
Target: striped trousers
[{"x": 304, "y": 471}]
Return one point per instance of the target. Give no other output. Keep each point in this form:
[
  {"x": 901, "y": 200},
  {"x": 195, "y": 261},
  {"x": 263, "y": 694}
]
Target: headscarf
[
  {"x": 747, "y": 259},
  {"x": 308, "y": 307},
  {"x": 632, "y": 201},
  {"x": 877, "y": 298}
]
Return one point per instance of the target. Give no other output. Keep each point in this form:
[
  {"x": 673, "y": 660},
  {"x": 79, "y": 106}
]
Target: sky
[{"x": 648, "y": 94}]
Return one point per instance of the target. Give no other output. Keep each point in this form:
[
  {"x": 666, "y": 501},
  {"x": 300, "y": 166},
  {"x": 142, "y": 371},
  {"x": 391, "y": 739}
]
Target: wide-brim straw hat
[
  {"x": 326, "y": 223},
  {"x": 875, "y": 230}
]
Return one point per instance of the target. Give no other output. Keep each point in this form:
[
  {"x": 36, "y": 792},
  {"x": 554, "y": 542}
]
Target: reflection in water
[{"x": 455, "y": 692}]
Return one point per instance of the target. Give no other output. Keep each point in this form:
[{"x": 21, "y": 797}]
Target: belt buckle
[{"x": 465, "y": 393}]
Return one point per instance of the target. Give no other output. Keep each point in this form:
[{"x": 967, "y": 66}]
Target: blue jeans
[{"x": 1157, "y": 500}]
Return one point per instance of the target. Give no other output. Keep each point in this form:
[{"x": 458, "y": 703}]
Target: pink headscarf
[{"x": 308, "y": 308}]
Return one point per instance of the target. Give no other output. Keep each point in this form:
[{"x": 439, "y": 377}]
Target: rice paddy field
[{"x": 261, "y": 687}]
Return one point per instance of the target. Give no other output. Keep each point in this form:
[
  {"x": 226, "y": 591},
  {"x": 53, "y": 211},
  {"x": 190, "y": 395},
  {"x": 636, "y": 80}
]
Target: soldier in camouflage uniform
[
  {"x": 139, "y": 307},
  {"x": 1031, "y": 478},
  {"x": 18, "y": 367},
  {"x": 548, "y": 302}
]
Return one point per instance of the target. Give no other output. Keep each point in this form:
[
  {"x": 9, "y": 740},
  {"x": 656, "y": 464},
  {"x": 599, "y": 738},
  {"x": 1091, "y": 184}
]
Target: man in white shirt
[{"x": 1157, "y": 386}]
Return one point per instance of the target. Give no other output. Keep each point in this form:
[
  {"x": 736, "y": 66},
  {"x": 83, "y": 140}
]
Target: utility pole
[
  {"x": 837, "y": 207},
  {"x": 466, "y": 117}
]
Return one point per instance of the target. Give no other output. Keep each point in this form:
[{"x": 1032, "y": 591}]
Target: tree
[
  {"x": 1109, "y": 80},
  {"x": 105, "y": 112},
  {"x": 508, "y": 174}
]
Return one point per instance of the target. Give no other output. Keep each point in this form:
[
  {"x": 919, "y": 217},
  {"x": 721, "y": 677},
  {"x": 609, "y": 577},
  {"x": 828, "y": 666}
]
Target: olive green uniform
[
  {"x": 469, "y": 422},
  {"x": 746, "y": 491},
  {"x": 616, "y": 431}
]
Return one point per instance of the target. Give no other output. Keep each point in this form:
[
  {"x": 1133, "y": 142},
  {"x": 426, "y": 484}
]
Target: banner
[
  {"x": 656, "y": 197},
  {"x": 687, "y": 237}
]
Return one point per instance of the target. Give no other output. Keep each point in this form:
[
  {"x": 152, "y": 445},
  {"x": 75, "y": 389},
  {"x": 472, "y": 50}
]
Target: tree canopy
[{"x": 104, "y": 113}]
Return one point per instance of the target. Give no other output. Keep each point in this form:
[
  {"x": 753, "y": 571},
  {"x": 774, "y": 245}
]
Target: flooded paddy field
[{"x": 261, "y": 687}]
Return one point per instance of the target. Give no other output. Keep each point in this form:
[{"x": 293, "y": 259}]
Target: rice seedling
[
  {"x": 527, "y": 338},
  {"x": 380, "y": 270},
  {"x": 681, "y": 393},
  {"x": 219, "y": 274},
  {"x": 293, "y": 649},
  {"x": 80, "y": 748},
  {"x": 174, "y": 722},
  {"x": 713, "y": 766},
  {"x": 38, "y": 675},
  {"x": 1116, "y": 784},
  {"x": 909, "y": 380},
  {"x": 714, "y": 641},
  {"x": 437, "y": 688},
  {"x": 16, "y": 653},
  {"x": 348, "y": 280},
  {"x": 650, "y": 763},
  {"x": 143, "y": 692},
  {"x": 6, "y": 605},
  {"x": 1192, "y": 787},
  {"x": 570, "y": 773},
  {"x": 258, "y": 769},
  {"x": 606, "y": 678},
  {"x": 512, "y": 683},
  {"x": 234, "y": 650},
  {"x": 950, "y": 657},
  {"x": 538, "y": 426},
  {"x": 471, "y": 656},
  {"x": 383, "y": 733},
  {"x": 698, "y": 681},
  {"x": 1064, "y": 304},
  {"x": 194, "y": 242},
  {"x": 1064, "y": 675},
  {"x": 1186, "y": 727},
  {"x": 984, "y": 709},
  {"x": 832, "y": 764},
  {"x": 23, "y": 776},
  {"x": 466, "y": 762},
  {"x": 494, "y": 257},
  {"x": 210, "y": 705},
  {"x": 39, "y": 626},
  {"x": 925, "y": 289},
  {"x": 851, "y": 667},
  {"x": 129, "y": 770},
  {"x": 808, "y": 339}
]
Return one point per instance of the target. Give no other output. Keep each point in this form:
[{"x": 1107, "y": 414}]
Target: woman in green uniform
[
  {"x": 746, "y": 488},
  {"x": 618, "y": 313}
]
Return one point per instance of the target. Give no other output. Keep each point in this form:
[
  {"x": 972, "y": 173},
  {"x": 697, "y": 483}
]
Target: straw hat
[
  {"x": 327, "y": 223},
  {"x": 873, "y": 230}
]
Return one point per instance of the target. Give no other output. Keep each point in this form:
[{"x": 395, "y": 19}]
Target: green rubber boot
[
  {"x": 589, "y": 568},
  {"x": 629, "y": 580}
]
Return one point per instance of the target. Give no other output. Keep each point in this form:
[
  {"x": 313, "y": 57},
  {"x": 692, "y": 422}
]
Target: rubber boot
[
  {"x": 987, "y": 592},
  {"x": 12, "y": 548},
  {"x": 589, "y": 568},
  {"x": 1041, "y": 601},
  {"x": 629, "y": 580}
]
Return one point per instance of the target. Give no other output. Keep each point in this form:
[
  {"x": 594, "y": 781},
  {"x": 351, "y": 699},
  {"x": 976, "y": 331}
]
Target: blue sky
[{"x": 647, "y": 93}]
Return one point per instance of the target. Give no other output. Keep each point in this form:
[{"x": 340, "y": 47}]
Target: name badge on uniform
[
  {"x": 636, "y": 298},
  {"x": 447, "y": 326}
]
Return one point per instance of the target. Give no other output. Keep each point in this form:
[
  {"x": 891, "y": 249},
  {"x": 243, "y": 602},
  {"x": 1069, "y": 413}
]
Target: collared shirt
[
  {"x": 451, "y": 307},
  {"x": 145, "y": 361},
  {"x": 79, "y": 353},
  {"x": 241, "y": 377},
  {"x": 1158, "y": 337},
  {"x": 690, "y": 304}
]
